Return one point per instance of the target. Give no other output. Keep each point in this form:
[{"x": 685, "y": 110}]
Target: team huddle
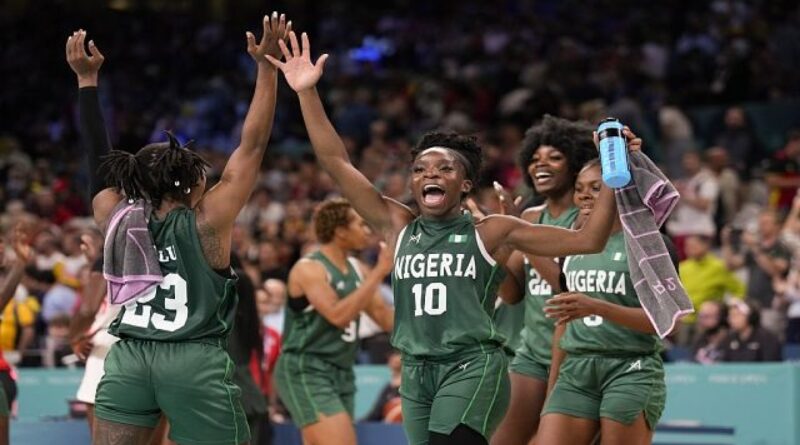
[{"x": 586, "y": 362}]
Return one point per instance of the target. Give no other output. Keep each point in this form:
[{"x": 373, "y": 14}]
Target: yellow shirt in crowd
[
  {"x": 708, "y": 279},
  {"x": 17, "y": 314}
]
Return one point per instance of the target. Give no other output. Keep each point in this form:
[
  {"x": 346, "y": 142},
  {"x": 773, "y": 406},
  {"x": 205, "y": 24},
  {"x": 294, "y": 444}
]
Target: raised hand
[
  {"x": 634, "y": 142},
  {"x": 22, "y": 245},
  {"x": 508, "y": 204},
  {"x": 90, "y": 247},
  {"x": 385, "y": 262},
  {"x": 276, "y": 30},
  {"x": 86, "y": 66},
  {"x": 300, "y": 73}
]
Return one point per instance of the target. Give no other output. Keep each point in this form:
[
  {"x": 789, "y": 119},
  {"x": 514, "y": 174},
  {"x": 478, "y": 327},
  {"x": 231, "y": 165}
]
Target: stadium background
[{"x": 672, "y": 70}]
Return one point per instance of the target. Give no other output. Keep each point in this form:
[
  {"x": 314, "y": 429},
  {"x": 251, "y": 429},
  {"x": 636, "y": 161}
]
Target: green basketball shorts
[
  {"x": 616, "y": 388},
  {"x": 529, "y": 365},
  {"x": 438, "y": 395},
  {"x": 190, "y": 382},
  {"x": 309, "y": 386}
]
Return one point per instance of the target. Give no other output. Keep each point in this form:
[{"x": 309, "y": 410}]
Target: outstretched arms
[
  {"x": 222, "y": 203},
  {"x": 384, "y": 215}
]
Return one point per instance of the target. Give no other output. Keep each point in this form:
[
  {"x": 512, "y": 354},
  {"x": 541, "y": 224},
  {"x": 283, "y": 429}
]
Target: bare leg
[
  {"x": 616, "y": 433},
  {"x": 113, "y": 433},
  {"x": 556, "y": 429},
  {"x": 331, "y": 430},
  {"x": 161, "y": 433},
  {"x": 522, "y": 419}
]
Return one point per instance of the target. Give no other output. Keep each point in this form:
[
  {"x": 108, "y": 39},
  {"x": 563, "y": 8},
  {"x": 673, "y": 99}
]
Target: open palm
[{"x": 300, "y": 73}]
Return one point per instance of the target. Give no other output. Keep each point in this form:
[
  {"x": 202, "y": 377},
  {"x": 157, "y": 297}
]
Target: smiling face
[
  {"x": 438, "y": 182},
  {"x": 549, "y": 171},
  {"x": 587, "y": 189}
]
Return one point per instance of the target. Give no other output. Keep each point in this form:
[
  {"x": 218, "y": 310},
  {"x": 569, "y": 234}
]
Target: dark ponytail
[
  {"x": 157, "y": 171},
  {"x": 120, "y": 169}
]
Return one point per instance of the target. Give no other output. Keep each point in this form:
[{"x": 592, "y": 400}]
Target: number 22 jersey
[{"x": 444, "y": 284}]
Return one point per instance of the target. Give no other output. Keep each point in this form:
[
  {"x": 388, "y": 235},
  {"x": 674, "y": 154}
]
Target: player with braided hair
[{"x": 171, "y": 355}]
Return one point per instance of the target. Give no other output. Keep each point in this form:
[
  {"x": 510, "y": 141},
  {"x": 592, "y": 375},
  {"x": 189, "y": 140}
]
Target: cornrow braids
[
  {"x": 573, "y": 139},
  {"x": 467, "y": 147}
]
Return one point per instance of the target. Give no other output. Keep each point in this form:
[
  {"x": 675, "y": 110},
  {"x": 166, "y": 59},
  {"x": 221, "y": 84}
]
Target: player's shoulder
[
  {"x": 533, "y": 214},
  {"x": 307, "y": 267}
]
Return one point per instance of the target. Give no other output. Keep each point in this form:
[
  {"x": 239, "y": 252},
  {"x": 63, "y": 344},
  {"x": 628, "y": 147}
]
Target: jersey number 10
[{"x": 435, "y": 299}]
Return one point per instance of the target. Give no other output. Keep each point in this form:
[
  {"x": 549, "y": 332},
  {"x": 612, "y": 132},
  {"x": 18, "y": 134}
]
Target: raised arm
[
  {"x": 94, "y": 135},
  {"x": 550, "y": 241},
  {"x": 222, "y": 203},
  {"x": 384, "y": 215},
  {"x": 309, "y": 278},
  {"x": 23, "y": 255}
]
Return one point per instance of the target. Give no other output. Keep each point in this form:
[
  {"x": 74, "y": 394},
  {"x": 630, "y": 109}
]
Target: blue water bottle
[{"x": 613, "y": 153}]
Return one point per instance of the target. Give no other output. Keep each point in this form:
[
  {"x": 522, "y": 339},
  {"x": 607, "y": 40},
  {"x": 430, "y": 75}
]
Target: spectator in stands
[
  {"x": 677, "y": 138},
  {"x": 694, "y": 214},
  {"x": 712, "y": 331},
  {"x": 387, "y": 405},
  {"x": 738, "y": 139},
  {"x": 18, "y": 324},
  {"x": 748, "y": 341},
  {"x": 271, "y": 303},
  {"x": 706, "y": 278},
  {"x": 730, "y": 186},
  {"x": 783, "y": 173},
  {"x": 58, "y": 299},
  {"x": 789, "y": 289},
  {"x": 766, "y": 259}
]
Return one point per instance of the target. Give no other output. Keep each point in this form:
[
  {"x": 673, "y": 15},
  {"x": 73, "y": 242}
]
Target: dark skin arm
[
  {"x": 219, "y": 207},
  {"x": 571, "y": 306},
  {"x": 558, "y": 356},
  {"x": 24, "y": 255},
  {"x": 384, "y": 215}
]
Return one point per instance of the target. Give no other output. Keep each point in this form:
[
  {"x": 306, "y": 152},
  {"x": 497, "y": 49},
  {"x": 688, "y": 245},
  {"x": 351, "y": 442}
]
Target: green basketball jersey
[
  {"x": 509, "y": 319},
  {"x": 605, "y": 276},
  {"x": 307, "y": 332},
  {"x": 538, "y": 329},
  {"x": 444, "y": 284},
  {"x": 192, "y": 302}
]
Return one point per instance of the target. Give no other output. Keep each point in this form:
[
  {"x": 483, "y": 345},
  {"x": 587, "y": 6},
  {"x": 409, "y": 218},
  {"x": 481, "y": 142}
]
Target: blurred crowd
[{"x": 398, "y": 70}]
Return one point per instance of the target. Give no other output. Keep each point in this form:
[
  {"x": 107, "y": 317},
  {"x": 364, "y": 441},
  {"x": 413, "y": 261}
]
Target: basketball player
[
  {"x": 171, "y": 354},
  {"x": 552, "y": 154},
  {"x": 612, "y": 379},
  {"x": 447, "y": 268},
  {"x": 328, "y": 289}
]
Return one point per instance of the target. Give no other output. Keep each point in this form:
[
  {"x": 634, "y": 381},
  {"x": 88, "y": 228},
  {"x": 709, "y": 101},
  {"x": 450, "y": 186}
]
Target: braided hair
[
  {"x": 466, "y": 147},
  {"x": 157, "y": 171}
]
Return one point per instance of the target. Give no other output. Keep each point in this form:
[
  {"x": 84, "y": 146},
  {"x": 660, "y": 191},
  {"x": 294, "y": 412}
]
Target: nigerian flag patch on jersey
[{"x": 458, "y": 239}]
